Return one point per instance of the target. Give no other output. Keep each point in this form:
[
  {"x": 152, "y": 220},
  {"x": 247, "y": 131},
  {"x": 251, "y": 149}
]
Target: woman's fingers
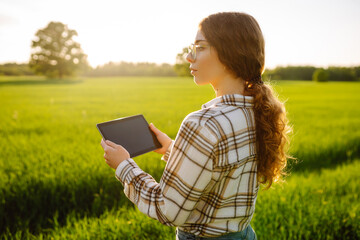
[
  {"x": 154, "y": 129},
  {"x": 103, "y": 144},
  {"x": 111, "y": 144},
  {"x": 107, "y": 146},
  {"x": 164, "y": 139},
  {"x": 114, "y": 154}
]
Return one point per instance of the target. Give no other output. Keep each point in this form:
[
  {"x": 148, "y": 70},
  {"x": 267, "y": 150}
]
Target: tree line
[
  {"x": 55, "y": 54},
  {"x": 15, "y": 69},
  {"x": 332, "y": 73},
  {"x": 131, "y": 69}
]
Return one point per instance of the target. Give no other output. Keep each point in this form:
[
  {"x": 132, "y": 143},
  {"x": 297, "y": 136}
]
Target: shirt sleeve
[{"x": 187, "y": 174}]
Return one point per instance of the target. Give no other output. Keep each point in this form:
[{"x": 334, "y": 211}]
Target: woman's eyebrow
[{"x": 199, "y": 40}]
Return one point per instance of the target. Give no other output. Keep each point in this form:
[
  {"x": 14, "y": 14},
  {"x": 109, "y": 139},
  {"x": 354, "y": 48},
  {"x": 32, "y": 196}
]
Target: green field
[{"x": 56, "y": 185}]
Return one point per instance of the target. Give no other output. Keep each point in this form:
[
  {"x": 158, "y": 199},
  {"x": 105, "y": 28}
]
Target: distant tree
[
  {"x": 357, "y": 72},
  {"x": 320, "y": 75},
  {"x": 15, "y": 69},
  {"x": 341, "y": 73},
  {"x": 292, "y": 73},
  {"x": 181, "y": 66},
  {"x": 54, "y": 52},
  {"x": 132, "y": 69}
]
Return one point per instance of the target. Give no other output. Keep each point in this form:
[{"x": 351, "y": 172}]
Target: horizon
[
  {"x": 295, "y": 33},
  {"x": 172, "y": 64}
]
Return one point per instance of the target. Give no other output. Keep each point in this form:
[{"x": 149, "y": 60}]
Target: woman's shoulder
[
  {"x": 221, "y": 120},
  {"x": 202, "y": 122},
  {"x": 205, "y": 118}
]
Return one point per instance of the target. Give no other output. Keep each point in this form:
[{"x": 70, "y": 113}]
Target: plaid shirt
[{"x": 208, "y": 187}]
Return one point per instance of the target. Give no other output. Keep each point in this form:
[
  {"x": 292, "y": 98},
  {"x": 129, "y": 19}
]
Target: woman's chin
[{"x": 199, "y": 82}]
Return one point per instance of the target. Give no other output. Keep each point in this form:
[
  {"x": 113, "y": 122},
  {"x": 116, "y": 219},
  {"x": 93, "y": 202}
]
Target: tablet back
[{"x": 133, "y": 133}]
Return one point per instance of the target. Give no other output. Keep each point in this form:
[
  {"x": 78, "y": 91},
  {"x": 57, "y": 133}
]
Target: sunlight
[{"x": 146, "y": 31}]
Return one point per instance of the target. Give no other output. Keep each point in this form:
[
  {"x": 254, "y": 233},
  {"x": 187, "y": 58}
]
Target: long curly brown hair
[{"x": 240, "y": 45}]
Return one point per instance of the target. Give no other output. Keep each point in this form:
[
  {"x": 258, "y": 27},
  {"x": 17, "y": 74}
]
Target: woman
[{"x": 223, "y": 152}]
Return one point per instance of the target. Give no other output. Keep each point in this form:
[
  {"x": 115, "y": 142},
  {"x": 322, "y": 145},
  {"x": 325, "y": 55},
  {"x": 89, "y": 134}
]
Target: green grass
[
  {"x": 305, "y": 207},
  {"x": 325, "y": 117},
  {"x": 55, "y": 184}
]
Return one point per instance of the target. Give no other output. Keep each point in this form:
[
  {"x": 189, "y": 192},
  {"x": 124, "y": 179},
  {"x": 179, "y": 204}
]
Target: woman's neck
[{"x": 228, "y": 86}]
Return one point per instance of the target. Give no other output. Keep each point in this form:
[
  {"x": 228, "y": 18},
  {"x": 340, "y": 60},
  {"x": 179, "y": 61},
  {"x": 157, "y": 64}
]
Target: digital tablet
[{"x": 133, "y": 133}]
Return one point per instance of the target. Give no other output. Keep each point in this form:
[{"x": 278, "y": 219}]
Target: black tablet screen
[{"x": 133, "y": 133}]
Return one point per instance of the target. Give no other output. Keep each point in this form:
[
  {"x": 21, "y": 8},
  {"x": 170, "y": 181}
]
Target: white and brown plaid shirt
[{"x": 208, "y": 187}]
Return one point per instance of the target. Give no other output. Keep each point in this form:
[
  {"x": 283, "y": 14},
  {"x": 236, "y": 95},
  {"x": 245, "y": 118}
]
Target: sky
[{"x": 320, "y": 33}]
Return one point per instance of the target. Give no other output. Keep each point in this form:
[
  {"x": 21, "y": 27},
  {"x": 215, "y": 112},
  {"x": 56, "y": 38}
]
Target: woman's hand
[
  {"x": 114, "y": 153},
  {"x": 163, "y": 139}
]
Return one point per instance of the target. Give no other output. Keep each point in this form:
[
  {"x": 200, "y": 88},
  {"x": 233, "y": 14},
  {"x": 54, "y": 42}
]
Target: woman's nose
[{"x": 189, "y": 57}]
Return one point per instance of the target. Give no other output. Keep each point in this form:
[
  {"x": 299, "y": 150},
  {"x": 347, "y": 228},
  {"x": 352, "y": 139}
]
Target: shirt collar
[{"x": 230, "y": 99}]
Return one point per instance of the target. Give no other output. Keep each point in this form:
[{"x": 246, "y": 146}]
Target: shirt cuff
[
  {"x": 166, "y": 156},
  {"x": 127, "y": 171}
]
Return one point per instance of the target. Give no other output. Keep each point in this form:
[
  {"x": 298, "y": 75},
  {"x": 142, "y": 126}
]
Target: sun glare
[{"x": 147, "y": 31}]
